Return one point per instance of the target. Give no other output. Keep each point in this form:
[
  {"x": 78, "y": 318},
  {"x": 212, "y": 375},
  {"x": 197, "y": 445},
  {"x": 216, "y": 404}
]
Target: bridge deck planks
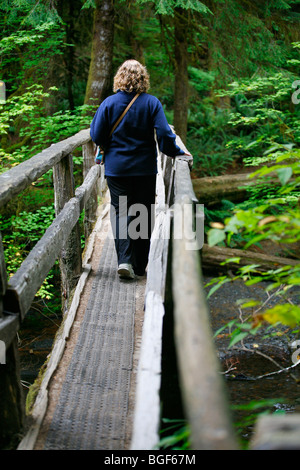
[{"x": 93, "y": 404}]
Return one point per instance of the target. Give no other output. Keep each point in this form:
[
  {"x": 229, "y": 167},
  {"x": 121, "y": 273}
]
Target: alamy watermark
[
  {"x": 2, "y": 352},
  {"x": 137, "y": 221},
  {"x": 296, "y": 94},
  {"x": 2, "y": 91},
  {"x": 296, "y": 353}
]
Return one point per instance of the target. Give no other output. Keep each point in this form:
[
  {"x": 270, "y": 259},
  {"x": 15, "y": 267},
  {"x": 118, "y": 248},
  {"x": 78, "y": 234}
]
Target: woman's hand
[{"x": 187, "y": 157}]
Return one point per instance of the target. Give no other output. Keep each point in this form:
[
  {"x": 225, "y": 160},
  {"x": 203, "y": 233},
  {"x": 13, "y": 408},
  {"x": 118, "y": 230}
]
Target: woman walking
[{"x": 131, "y": 160}]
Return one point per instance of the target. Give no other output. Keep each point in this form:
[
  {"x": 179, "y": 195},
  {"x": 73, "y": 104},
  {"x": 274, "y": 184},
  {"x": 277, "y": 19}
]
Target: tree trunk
[
  {"x": 70, "y": 54},
  {"x": 131, "y": 26},
  {"x": 181, "y": 74},
  {"x": 100, "y": 72},
  {"x": 211, "y": 190},
  {"x": 213, "y": 256}
]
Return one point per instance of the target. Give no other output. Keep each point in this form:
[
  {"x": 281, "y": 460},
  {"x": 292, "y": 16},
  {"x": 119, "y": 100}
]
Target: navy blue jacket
[{"x": 131, "y": 150}]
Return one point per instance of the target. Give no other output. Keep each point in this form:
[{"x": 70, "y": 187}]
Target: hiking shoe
[{"x": 125, "y": 271}]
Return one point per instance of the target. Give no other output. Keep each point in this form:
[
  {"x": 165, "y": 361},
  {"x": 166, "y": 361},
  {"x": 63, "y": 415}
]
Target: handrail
[
  {"x": 17, "y": 293},
  {"x": 21, "y": 176},
  {"x": 203, "y": 395},
  {"x": 146, "y": 423},
  {"x": 202, "y": 389},
  {"x": 24, "y": 284}
]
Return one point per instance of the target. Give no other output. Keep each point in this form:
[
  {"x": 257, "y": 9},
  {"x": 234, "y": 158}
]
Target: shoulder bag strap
[{"x": 123, "y": 114}]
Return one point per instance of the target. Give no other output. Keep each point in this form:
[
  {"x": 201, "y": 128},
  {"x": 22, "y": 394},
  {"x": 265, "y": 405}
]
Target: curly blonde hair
[{"x": 132, "y": 76}]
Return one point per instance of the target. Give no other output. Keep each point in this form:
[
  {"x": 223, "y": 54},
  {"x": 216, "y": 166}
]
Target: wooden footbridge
[{"x": 101, "y": 386}]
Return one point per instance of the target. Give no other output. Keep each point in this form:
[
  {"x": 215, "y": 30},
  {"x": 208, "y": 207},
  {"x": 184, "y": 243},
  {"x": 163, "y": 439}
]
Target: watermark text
[
  {"x": 138, "y": 220},
  {"x": 296, "y": 94},
  {"x": 2, "y": 352},
  {"x": 2, "y": 91}
]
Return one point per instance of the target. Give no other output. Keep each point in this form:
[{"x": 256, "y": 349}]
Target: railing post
[
  {"x": 90, "y": 210},
  {"x": 70, "y": 259},
  {"x": 12, "y": 412}
]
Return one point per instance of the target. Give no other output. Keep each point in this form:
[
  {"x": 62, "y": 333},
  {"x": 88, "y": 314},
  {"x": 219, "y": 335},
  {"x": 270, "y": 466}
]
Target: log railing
[
  {"x": 61, "y": 240},
  {"x": 176, "y": 242},
  {"x": 174, "y": 266},
  {"x": 202, "y": 388}
]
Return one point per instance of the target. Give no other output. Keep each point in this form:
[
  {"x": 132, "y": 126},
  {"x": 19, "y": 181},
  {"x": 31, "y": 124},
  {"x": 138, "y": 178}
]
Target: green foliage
[
  {"x": 251, "y": 121},
  {"x": 256, "y": 69},
  {"x": 19, "y": 235},
  {"x": 25, "y": 107},
  {"x": 259, "y": 222},
  {"x": 175, "y": 435},
  {"x": 200, "y": 79},
  {"x": 251, "y": 411},
  {"x": 255, "y": 317},
  {"x": 45, "y": 130},
  {"x": 26, "y": 54},
  {"x": 167, "y": 7},
  {"x": 270, "y": 321},
  {"x": 273, "y": 217},
  {"x": 208, "y": 131},
  {"x": 31, "y": 225},
  {"x": 89, "y": 4},
  {"x": 25, "y": 116},
  {"x": 267, "y": 133},
  {"x": 285, "y": 314},
  {"x": 28, "y": 12},
  {"x": 265, "y": 121},
  {"x": 32, "y": 118}
]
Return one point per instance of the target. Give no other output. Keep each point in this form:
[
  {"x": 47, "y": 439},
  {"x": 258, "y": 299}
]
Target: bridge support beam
[
  {"x": 12, "y": 404},
  {"x": 12, "y": 412}
]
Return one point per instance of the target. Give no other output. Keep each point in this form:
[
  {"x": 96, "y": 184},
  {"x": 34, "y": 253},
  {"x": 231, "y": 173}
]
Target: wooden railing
[
  {"x": 203, "y": 391},
  {"x": 61, "y": 240},
  {"x": 174, "y": 268},
  {"x": 176, "y": 242}
]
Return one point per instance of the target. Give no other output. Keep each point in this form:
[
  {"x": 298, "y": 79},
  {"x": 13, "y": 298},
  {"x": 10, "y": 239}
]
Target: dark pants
[{"x": 132, "y": 218}]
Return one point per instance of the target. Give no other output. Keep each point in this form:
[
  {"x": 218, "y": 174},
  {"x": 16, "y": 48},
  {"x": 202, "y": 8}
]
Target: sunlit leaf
[
  {"x": 215, "y": 236},
  {"x": 284, "y": 174},
  {"x": 286, "y": 314},
  {"x": 237, "y": 338}
]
